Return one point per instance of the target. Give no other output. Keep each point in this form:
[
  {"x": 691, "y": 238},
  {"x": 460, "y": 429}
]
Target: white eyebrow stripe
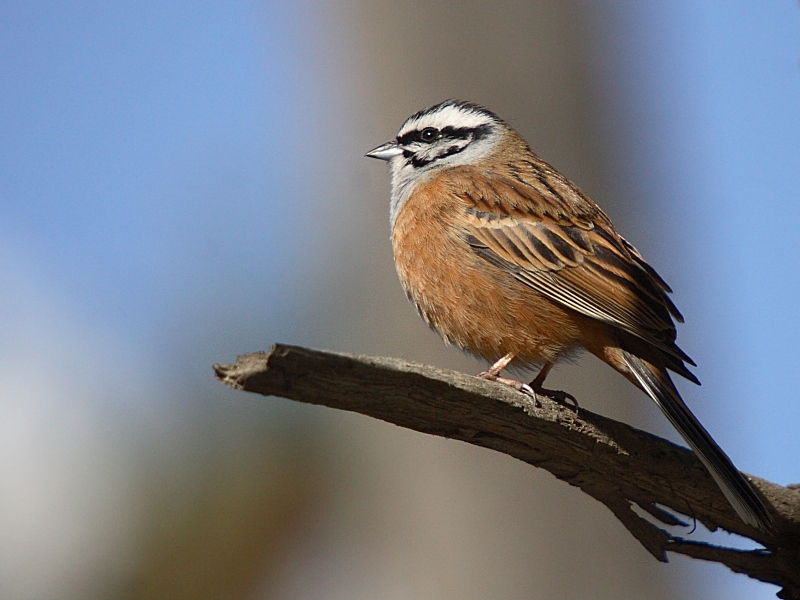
[{"x": 449, "y": 115}]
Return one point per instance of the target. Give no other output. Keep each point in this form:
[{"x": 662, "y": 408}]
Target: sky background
[{"x": 181, "y": 182}]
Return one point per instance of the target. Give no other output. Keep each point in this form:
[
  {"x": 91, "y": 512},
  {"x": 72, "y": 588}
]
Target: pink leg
[{"x": 493, "y": 374}]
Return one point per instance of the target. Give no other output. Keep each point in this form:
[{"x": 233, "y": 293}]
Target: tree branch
[{"x": 614, "y": 463}]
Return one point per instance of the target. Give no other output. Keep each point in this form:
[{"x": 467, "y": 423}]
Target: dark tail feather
[{"x": 744, "y": 499}]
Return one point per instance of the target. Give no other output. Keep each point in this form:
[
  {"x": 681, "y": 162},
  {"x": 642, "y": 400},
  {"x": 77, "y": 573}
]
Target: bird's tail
[{"x": 657, "y": 384}]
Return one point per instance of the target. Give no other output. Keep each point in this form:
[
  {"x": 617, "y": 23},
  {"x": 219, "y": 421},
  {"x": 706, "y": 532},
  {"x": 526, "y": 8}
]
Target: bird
[{"x": 505, "y": 257}]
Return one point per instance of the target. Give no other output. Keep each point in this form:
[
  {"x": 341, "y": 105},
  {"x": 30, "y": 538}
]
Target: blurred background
[{"x": 182, "y": 182}]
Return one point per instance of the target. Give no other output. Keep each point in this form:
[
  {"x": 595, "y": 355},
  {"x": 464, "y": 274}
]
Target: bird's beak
[{"x": 386, "y": 151}]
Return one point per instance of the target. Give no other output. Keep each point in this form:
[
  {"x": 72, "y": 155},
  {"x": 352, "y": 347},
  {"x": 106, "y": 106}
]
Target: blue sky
[
  {"x": 135, "y": 138},
  {"x": 722, "y": 84}
]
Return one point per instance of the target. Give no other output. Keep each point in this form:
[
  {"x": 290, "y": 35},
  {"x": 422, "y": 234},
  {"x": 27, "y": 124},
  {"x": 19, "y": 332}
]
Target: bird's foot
[
  {"x": 563, "y": 398},
  {"x": 517, "y": 385}
]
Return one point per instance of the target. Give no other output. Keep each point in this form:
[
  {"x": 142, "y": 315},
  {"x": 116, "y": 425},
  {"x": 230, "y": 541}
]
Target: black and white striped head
[{"x": 449, "y": 134}]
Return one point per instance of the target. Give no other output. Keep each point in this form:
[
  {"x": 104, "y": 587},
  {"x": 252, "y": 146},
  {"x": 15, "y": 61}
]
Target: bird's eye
[{"x": 429, "y": 134}]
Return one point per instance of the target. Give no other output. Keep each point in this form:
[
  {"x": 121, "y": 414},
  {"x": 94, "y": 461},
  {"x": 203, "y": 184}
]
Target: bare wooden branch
[{"x": 618, "y": 465}]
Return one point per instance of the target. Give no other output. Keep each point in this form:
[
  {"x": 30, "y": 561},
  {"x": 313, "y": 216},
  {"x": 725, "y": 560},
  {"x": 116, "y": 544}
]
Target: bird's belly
[{"x": 474, "y": 304}]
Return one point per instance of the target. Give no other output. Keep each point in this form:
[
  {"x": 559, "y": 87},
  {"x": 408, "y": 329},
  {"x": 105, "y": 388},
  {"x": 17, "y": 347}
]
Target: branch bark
[{"x": 614, "y": 463}]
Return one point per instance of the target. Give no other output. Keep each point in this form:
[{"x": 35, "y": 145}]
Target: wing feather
[{"x": 570, "y": 253}]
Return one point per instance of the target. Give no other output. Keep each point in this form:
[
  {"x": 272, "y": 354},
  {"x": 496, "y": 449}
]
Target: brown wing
[{"x": 566, "y": 249}]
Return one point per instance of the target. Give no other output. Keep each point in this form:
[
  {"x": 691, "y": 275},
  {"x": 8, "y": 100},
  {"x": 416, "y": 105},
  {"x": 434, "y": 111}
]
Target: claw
[
  {"x": 558, "y": 396},
  {"x": 534, "y": 388}
]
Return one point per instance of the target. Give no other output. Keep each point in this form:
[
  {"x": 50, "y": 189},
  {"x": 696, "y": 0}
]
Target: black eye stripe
[
  {"x": 460, "y": 132},
  {"x": 446, "y": 132}
]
